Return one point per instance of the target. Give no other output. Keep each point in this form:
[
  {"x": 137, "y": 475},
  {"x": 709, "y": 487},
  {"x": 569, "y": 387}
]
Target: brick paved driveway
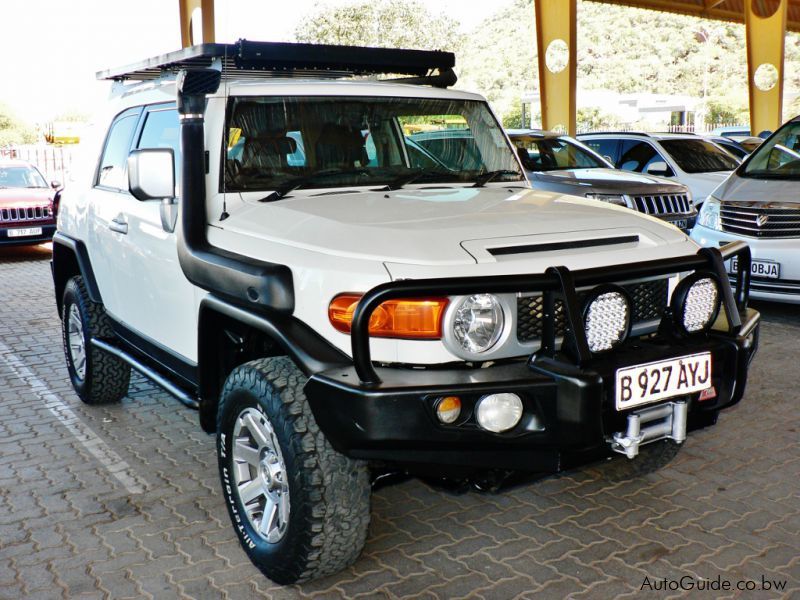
[{"x": 728, "y": 507}]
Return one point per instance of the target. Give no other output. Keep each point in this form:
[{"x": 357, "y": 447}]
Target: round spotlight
[
  {"x": 696, "y": 302},
  {"x": 478, "y": 323},
  {"x": 606, "y": 318},
  {"x": 499, "y": 412},
  {"x": 448, "y": 409}
]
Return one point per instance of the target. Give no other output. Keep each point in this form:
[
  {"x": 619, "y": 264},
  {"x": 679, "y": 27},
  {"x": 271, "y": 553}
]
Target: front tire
[
  {"x": 98, "y": 377},
  {"x": 300, "y": 508}
]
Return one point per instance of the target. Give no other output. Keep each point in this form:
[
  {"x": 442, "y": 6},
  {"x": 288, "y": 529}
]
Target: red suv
[{"x": 27, "y": 204}]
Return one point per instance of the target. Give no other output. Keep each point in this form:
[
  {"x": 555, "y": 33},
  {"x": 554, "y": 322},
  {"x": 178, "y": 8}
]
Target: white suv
[
  {"x": 697, "y": 163},
  {"x": 338, "y": 302}
]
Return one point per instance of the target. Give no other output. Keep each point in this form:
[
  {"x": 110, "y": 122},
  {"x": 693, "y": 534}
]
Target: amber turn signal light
[{"x": 413, "y": 318}]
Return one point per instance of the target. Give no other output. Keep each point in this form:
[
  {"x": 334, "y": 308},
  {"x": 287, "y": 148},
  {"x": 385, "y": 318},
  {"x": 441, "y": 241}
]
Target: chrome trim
[{"x": 665, "y": 421}]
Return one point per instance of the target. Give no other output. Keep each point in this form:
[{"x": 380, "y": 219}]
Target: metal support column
[
  {"x": 206, "y": 15},
  {"x": 766, "y": 35},
  {"x": 556, "y": 40}
]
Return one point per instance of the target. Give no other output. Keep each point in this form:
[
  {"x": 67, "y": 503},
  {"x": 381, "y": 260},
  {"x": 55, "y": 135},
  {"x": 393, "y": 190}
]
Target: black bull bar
[{"x": 556, "y": 281}]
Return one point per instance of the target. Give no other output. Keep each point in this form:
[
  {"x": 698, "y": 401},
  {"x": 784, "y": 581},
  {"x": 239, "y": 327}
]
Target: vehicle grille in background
[
  {"x": 765, "y": 220},
  {"x": 648, "y": 299},
  {"x": 37, "y": 213},
  {"x": 666, "y": 204}
]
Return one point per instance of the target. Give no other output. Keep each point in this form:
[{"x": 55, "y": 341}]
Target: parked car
[
  {"x": 27, "y": 207},
  {"x": 697, "y": 163},
  {"x": 334, "y": 320},
  {"x": 733, "y": 147},
  {"x": 559, "y": 163},
  {"x": 730, "y": 131},
  {"x": 759, "y": 204},
  {"x": 748, "y": 142}
]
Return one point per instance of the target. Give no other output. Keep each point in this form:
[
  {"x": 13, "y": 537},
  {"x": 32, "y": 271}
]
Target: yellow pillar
[
  {"x": 766, "y": 35},
  {"x": 556, "y": 25},
  {"x": 206, "y": 15}
]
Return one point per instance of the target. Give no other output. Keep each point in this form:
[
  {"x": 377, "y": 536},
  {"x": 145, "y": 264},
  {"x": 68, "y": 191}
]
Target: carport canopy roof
[{"x": 724, "y": 10}]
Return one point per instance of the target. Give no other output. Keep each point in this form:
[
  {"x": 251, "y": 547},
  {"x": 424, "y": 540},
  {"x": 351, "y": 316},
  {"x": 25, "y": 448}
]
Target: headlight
[
  {"x": 607, "y": 318},
  {"x": 478, "y": 323},
  {"x": 617, "y": 199},
  {"x": 695, "y": 302},
  {"x": 709, "y": 214}
]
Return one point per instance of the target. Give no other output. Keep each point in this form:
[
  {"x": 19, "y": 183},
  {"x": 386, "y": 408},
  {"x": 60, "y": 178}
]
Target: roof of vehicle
[
  {"x": 13, "y": 162},
  {"x": 533, "y": 133},
  {"x": 248, "y": 59},
  {"x": 652, "y": 135}
]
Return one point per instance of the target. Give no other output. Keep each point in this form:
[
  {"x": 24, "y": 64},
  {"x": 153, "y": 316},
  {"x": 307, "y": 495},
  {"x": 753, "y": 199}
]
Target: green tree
[
  {"x": 13, "y": 130},
  {"x": 381, "y": 23}
]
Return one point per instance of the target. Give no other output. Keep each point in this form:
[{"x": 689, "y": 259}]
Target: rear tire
[
  {"x": 98, "y": 377},
  {"x": 305, "y": 511},
  {"x": 651, "y": 458}
]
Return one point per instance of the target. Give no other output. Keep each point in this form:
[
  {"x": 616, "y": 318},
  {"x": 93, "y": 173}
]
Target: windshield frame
[
  {"x": 381, "y": 175},
  {"x": 744, "y": 169}
]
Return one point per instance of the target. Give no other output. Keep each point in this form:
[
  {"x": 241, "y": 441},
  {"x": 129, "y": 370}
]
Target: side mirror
[
  {"x": 151, "y": 176},
  {"x": 660, "y": 169},
  {"x": 55, "y": 184}
]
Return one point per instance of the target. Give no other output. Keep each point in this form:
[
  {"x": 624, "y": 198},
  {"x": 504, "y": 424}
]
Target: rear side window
[
  {"x": 162, "y": 130},
  {"x": 113, "y": 163},
  {"x": 607, "y": 148},
  {"x": 637, "y": 156}
]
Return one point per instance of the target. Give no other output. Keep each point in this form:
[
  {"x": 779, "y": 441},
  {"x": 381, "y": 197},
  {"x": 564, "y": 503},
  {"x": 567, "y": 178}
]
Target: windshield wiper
[
  {"x": 404, "y": 180},
  {"x": 484, "y": 178},
  {"x": 288, "y": 186}
]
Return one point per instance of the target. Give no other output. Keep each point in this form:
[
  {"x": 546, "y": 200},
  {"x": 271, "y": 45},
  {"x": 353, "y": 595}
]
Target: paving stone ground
[{"x": 728, "y": 507}]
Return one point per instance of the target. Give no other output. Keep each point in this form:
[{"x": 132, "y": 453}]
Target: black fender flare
[
  {"x": 71, "y": 258},
  {"x": 311, "y": 352}
]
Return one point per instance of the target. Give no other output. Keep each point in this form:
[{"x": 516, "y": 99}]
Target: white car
[
  {"x": 691, "y": 160},
  {"x": 369, "y": 305},
  {"x": 759, "y": 204}
]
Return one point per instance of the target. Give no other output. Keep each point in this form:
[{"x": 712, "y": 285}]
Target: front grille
[
  {"x": 648, "y": 301},
  {"x": 761, "y": 220},
  {"x": 664, "y": 204},
  {"x": 31, "y": 213}
]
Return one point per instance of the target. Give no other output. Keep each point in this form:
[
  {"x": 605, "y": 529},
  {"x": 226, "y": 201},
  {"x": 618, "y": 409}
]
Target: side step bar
[{"x": 148, "y": 372}]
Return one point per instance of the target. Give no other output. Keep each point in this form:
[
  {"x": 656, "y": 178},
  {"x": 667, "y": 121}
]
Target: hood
[
  {"x": 747, "y": 189},
  {"x": 703, "y": 184},
  {"x": 607, "y": 181},
  {"x": 432, "y": 226},
  {"x": 25, "y": 197}
]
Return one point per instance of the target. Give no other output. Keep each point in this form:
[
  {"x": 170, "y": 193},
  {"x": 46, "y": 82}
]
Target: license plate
[
  {"x": 24, "y": 232},
  {"x": 681, "y": 223},
  {"x": 642, "y": 384},
  {"x": 760, "y": 268}
]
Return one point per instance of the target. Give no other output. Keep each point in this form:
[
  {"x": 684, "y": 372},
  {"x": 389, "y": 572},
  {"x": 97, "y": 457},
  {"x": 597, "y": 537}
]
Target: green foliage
[
  {"x": 725, "y": 111},
  {"x": 13, "y": 130},
  {"x": 381, "y": 23},
  {"x": 594, "y": 119},
  {"x": 512, "y": 119}
]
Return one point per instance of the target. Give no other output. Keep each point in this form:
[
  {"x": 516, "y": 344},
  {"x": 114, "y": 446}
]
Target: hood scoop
[{"x": 567, "y": 245}]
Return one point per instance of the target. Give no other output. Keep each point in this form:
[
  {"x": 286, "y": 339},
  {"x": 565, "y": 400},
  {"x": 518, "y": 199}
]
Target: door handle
[{"x": 119, "y": 225}]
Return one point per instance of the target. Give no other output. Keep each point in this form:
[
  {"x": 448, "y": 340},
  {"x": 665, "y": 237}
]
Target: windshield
[
  {"x": 778, "y": 157},
  {"x": 699, "y": 156},
  {"x": 552, "y": 154},
  {"x": 21, "y": 177},
  {"x": 344, "y": 141}
]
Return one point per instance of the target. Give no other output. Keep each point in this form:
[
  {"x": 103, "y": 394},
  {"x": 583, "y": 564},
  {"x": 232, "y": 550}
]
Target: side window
[
  {"x": 637, "y": 156},
  {"x": 607, "y": 148},
  {"x": 112, "y": 172},
  {"x": 162, "y": 130}
]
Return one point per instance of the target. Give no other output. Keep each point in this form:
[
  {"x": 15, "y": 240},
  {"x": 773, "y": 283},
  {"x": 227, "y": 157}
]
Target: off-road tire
[
  {"x": 651, "y": 458},
  {"x": 106, "y": 378},
  {"x": 329, "y": 493}
]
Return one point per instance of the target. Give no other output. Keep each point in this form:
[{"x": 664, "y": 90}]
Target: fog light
[
  {"x": 696, "y": 302},
  {"x": 499, "y": 412},
  {"x": 448, "y": 409},
  {"x": 606, "y": 318}
]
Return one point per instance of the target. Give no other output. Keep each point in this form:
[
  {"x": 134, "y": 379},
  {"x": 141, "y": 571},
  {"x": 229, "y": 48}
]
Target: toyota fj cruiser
[{"x": 255, "y": 233}]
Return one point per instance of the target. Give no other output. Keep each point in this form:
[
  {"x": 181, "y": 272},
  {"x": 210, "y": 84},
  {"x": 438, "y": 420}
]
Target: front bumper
[
  {"x": 388, "y": 413},
  {"x": 47, "y": 234}
]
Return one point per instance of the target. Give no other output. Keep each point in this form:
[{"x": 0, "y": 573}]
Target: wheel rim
[
  {"x": 259, "y": 473},
  {"x": 75, "y": 342}
]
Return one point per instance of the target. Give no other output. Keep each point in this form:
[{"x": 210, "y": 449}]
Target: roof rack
[{"x": 246, "y": 59}]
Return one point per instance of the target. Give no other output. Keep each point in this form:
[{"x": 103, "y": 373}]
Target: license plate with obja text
[{"x": 651, "y": 382}]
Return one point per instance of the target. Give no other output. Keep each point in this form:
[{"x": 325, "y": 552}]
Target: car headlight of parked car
[
  {"x": 709, "y": 214},
  {"x": 617, "y": 199}
]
